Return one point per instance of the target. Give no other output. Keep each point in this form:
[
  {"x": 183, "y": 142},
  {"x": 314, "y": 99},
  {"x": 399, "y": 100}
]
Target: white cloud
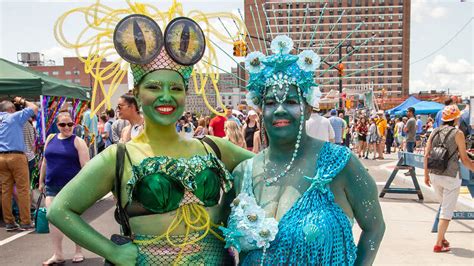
[
  {"x": 420, "y": 9},
  {"x": 438, "y": 12},
  {"x": 443, "y": 74}
]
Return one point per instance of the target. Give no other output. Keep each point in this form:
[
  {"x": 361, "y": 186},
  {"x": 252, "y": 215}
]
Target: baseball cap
[{"x": 333, "y": 112}]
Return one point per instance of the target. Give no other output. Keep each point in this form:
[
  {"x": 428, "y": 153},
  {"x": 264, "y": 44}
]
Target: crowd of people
[
  {"x": 376, "y": 134},
  {"x": 180, "y": 179},
  {"x": 241, "y": 128}
]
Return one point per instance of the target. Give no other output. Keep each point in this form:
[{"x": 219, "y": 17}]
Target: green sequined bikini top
[{"x": 162, "y": 184}]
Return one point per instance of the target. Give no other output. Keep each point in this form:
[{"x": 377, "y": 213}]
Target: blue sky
[{"x": 27, "y": 26}]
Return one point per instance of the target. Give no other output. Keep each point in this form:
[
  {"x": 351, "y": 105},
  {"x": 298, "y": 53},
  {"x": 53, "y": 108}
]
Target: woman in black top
[
  {"x": 249, "y": 130},
  {"x": 390, "y": 137}
]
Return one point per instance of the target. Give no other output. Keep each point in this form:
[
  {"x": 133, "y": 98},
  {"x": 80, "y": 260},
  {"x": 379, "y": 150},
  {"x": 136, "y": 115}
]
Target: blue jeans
[{"x": 410, "y": 146}]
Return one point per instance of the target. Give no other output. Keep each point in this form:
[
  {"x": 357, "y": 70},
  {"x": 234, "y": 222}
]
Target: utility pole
[{"x": 341, "y": 107}]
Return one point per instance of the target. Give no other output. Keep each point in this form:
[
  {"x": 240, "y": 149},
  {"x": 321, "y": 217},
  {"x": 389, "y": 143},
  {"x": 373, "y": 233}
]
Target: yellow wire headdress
[{"x": 98, "y": 38}]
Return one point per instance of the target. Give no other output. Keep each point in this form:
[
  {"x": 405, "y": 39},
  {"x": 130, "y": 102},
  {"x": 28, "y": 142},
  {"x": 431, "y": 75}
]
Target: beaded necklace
[{"x": 270, "y": 180}]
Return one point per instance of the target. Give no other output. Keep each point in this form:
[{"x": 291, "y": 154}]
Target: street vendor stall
[
  {"x": 52, "y": 92},
  {"x": 423, "y": 108}
]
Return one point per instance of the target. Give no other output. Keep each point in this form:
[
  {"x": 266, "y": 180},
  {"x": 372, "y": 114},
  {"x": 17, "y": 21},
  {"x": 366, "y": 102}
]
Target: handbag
[
  {"x": 41, "y": 222},
  {"x": 120, "y": 214}
]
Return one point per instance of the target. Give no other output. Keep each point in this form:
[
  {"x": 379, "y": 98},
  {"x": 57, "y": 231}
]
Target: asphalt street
[{"x": 408, "y": 239}]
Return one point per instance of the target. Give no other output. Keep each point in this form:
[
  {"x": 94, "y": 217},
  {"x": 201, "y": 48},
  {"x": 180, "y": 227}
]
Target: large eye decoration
[
  {"x": 184, "y": 41},
  {"x": 138, "y": 39}
]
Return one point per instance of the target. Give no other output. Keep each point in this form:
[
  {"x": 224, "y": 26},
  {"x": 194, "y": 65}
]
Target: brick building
[
  {"x": 230, "y": 90},
  {"x": 195, "y": 103},
  {"x": 73, "y": 71},
  {"x": 387, "y": 20}
]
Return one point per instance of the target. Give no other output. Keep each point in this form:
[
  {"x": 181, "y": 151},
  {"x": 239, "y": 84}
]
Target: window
[
  {"x": 77, "y": 81},
  {"x": 67, "y": 72},
  {"x": 70, "y": 80},
  {"x": 77, "y": 72},
  {"x": 46, "y": 73},
  {"x": 55, "y": 73}
]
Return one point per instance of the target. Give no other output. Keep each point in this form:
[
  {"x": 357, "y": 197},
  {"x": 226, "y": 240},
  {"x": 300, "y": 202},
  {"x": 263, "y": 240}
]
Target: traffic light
[
  {"x": 340, "y": 69},
  {"x": 240, "y": 48}
]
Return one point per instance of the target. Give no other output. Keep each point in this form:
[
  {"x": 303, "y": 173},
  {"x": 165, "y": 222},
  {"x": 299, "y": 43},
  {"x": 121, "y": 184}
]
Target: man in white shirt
[{"x": 319, "y": 127}]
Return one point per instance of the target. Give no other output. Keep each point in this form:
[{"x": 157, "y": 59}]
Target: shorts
[
  {"x": 447, "y": 189},
  {"x": 399, "y": 140},
  {"x": 52, "y": 191}
]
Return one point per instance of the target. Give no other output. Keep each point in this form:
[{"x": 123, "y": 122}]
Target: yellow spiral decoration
[
  {"x": 201, "y": 224},
  {"x": 97, "y": 38}
]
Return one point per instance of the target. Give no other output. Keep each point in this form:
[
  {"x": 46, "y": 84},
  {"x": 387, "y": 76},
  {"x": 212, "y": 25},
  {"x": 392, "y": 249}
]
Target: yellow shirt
[{"x": 381, "y": 126}]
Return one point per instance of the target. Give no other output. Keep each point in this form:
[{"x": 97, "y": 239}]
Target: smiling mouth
[
  {"x": 165, "y": 109},
  {"x": 281, "y": 123}
]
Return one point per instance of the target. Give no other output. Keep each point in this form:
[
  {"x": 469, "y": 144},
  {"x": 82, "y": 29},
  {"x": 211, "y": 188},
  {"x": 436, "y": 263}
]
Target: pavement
[{"x": 408, "y": 239}]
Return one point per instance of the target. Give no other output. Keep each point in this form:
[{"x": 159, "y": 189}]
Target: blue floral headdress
[{"x": 282, "y": 68}]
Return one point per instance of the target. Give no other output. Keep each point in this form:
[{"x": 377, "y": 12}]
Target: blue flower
[
  {"x": 282, "y": 44},
  {"x": 308, "y": 61},
  {"x": 253, "y": 62}
]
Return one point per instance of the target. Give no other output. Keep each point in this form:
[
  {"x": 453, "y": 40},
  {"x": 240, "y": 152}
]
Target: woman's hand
[
  {"x": 41, "y": 187},
  {"x": 125, "y": 255},
  {"x": 427, "y": 180},
  {"x": 234, "y": 254}
]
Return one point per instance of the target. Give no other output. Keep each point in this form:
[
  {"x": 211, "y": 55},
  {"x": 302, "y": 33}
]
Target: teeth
[{"x": 165, "y": 109}]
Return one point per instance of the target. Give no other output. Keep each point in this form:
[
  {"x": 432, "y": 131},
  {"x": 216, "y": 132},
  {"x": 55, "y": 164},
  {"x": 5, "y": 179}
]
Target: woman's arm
[
  {"x": 461, "y": 142},
  {"x": 82, "y": 151},
  {"x": 42, "y": 175},
  {"x": 94, "y": 181},
  {"x": 425, "y": 160},
  {"x": 256, "y": 142},
  {"x": 362, "y": 194},
  {"x": 232, "y": 154}
]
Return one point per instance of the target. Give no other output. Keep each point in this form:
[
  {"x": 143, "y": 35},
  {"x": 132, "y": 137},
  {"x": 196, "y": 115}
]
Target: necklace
[{"x": 270, "y": 180}]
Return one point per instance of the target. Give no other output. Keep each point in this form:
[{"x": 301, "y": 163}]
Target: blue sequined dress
[{"x": 315, "y": 231}]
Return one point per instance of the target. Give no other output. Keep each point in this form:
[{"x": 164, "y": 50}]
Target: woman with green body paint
[
  {"x": 175, "y": 191},
  {"x": 158, "y": 92},
  {"x": 298, "y": 198}
]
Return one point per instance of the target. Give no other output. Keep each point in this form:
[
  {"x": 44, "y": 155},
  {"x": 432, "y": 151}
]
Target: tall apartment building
[
  {"x": 195, "y": 103},
  {"x": 73, "y": 71},
  {"x": 387, "y": 21},
  {"x": 231, "y": 88},
  {"x": 230, "y": 92}
]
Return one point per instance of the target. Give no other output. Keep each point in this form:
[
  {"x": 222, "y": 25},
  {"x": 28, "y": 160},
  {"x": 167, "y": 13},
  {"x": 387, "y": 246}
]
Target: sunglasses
[
  {"x": 70, "y": 124},
  {"x": 119, "y": 107}
]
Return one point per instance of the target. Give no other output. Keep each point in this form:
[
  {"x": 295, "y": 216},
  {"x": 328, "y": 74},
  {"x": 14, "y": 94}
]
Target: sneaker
[
  {"x": 27, "y": 227},
  {"x": 12, "y": 227}
]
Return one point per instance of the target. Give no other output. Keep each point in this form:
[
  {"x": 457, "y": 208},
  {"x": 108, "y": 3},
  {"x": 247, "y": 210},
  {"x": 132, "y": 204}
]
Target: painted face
[
  {"x": 65, "y": 125},
  {"x": 282, "y": 120},
  {"x": 162, "y": 95}
]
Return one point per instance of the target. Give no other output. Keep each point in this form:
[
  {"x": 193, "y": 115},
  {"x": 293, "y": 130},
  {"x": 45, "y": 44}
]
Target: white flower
[
  {"x": 266, "y": 232},
  {"x": 313, "y": 96},
  {"x": 253, "y": 62},
  {"x": 282, "y": 44},
  {"x": 308, "y": 61}
]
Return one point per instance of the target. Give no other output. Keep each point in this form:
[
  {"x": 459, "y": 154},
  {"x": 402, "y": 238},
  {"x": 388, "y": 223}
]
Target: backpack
[{"x": 439, "y": 154}]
